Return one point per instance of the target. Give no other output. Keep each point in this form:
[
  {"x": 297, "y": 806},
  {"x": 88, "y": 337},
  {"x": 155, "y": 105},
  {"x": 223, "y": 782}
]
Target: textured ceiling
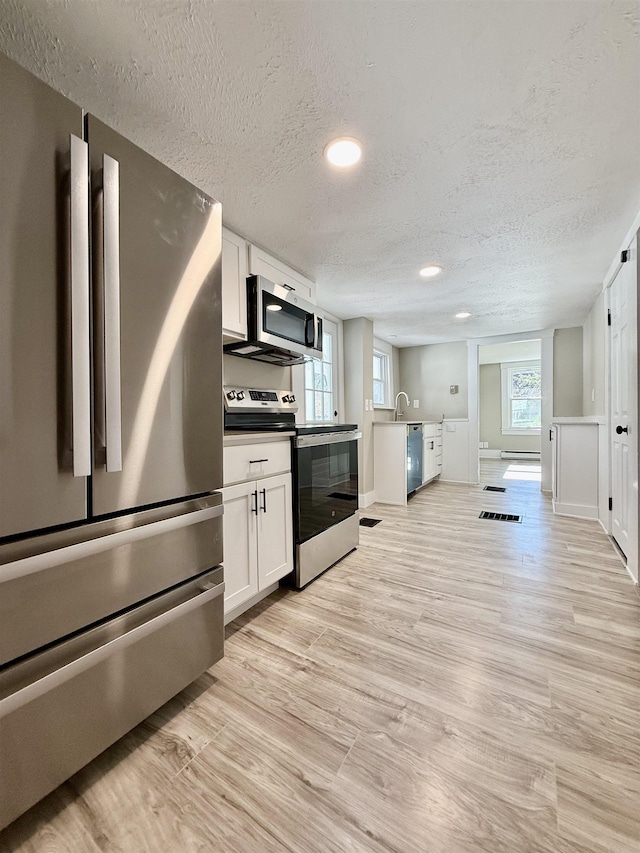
[{"x": 501, "y": 139}]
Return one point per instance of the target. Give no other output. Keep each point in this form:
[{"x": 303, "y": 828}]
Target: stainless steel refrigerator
[{"x": 110, "y": 437}]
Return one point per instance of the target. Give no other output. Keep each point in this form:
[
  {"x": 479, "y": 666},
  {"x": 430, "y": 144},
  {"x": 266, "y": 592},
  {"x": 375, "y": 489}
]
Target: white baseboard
[
  {"x": 635, "y": 582},
  {"x": 366, "y": 499},
  {"x": 459, "y": 482},
  {"x": 576, "y": 511},
  {"x": 489, "y": 454},
  {"x": 531, "y": 455},
  {"x": 241, "y": 608}
]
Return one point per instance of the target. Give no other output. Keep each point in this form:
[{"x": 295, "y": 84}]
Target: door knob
[{"x": 620, "y": 430}]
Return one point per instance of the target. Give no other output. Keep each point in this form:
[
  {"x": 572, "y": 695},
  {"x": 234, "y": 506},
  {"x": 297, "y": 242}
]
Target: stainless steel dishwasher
[{"x": 414, "y": 457}]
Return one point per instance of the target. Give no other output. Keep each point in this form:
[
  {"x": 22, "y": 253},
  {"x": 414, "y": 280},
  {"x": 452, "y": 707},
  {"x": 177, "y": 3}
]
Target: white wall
[
  {"x": 426, "y": 374},
  {"x": 246, "y": 373}
]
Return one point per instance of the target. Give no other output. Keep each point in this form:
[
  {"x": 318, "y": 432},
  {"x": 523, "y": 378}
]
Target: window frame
[
  {"x": 331, "y": 392},
  {"x": 506, "y": 369},
  {"x": 385, "y": 381}
]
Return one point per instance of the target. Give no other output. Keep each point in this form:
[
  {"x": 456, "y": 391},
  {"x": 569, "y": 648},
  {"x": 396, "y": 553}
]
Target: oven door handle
[{"x": 327, "y": 438}]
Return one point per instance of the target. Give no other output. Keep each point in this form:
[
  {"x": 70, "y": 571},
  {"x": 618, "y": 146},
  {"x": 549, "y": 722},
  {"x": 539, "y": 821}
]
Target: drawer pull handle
[{"x": 255, "y": 461}]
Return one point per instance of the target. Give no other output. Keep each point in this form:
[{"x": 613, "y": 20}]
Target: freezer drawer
[
  {"x": 53, "y": 585},
  {"x": 61, "y": 708}
]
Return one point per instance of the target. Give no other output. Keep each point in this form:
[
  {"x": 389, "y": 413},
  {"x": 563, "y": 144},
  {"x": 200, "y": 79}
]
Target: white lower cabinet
[
  {"x": 258, "y": 537},
  {"x": 431, "y": 451}
]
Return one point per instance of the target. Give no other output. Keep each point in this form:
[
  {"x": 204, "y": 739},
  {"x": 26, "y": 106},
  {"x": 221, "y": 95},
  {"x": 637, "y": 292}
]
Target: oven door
[
  {"x": 279, "y": 318},
  {"x": 326, "y": 481}
]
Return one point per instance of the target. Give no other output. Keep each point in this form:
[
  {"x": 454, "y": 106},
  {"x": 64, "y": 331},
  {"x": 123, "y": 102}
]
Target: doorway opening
[{"x": 510, "y": 411}]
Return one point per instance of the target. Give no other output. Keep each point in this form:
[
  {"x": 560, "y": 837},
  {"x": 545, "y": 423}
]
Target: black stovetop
[{"x": 277, "y": 422}]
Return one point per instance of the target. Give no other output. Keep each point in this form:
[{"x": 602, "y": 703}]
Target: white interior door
[{"x": 622, "y": 426}]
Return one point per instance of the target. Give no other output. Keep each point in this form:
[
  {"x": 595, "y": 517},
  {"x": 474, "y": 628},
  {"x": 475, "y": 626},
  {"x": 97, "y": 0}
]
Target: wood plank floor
[{"x": 453, "y": 685}]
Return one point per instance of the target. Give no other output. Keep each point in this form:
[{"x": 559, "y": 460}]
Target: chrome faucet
[{"x": 400, "y": 394}]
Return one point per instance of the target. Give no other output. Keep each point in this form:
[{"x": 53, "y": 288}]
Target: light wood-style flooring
[{"x": 453, "y": 686}]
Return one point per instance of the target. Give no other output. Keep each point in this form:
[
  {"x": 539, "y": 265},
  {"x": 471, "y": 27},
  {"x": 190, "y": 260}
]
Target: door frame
[
  {"x": 545, "y": 336},
  {"x": 606, "y": 515}
]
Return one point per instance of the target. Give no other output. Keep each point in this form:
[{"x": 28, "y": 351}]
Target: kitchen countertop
[
  {"x": 404, "y": 423},
  {"x": 585, "y": 419},
  {"x": 233, "y": 438}
]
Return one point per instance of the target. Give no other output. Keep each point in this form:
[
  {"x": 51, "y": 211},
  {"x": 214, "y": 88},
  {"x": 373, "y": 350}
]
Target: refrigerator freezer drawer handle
[
  {"x": 67, "y": 554},
  {"x": 79, "y": 270},
  {"x": 111, "y": 278},
  {"x": 55, "y": 679}
]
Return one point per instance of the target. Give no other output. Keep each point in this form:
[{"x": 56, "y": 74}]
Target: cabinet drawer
[{"x": 253, "y": 461}]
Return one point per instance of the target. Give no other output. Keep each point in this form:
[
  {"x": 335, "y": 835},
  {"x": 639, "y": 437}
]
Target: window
[
  {"x": 521, "y": 398},
  {"x": 318, "y": 383},
  {"x": 381, "y": 390}
]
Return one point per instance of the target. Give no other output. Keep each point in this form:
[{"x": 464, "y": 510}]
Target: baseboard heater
[{"x": 533, "y": 455}]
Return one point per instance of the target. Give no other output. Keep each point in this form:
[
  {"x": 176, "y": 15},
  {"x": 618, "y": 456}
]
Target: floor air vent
[
  {"x": 501, "y": 516},
  {"x": 369, "y": 522},
  {"x": 494, "y": 489}
]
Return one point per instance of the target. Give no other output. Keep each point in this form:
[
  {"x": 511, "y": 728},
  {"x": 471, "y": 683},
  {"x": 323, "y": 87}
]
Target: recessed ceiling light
[
  {"x": 392, "y": 336},
  {"x": 343, "y": 152},
  {"x": 430, "y": 271},
  {"x": 462, "y": 315}
]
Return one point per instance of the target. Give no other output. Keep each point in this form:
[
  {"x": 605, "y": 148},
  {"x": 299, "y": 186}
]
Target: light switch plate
[{"x": 416, "y": 404}]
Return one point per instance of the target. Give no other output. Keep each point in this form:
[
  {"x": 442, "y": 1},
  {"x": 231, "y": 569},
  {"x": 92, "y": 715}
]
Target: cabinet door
[
  {"x": 240, "y": 544},
  {"x": 430, "y": 464},
  {"x": 262, "y": 263},
  {"x": 234, "y": 285},
  {"x": 275, "y": 529}
]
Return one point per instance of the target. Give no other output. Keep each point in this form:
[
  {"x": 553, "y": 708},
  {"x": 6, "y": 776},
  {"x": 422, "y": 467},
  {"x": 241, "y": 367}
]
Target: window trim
[{"x": 505, "y": 370}]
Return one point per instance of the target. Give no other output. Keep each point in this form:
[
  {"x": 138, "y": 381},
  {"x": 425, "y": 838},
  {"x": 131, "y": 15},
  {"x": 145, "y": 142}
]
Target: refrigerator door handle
[
  {"x": 111, "y": 279},
  {"x": 79, "y": 269}
]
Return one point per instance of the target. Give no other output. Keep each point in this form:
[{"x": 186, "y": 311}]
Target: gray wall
[
  {"x": 567, "y": 372},
  {"x": 358, "y": 386},
  {"x": 593, "y": 354},
  {"x": 490, "y": 393},
  {"x": 426, "y": 374}
]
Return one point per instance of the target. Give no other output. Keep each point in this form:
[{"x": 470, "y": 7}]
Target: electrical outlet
[
  {"x": 593, "y": 395},
  {"x": 416, "y": 404}
]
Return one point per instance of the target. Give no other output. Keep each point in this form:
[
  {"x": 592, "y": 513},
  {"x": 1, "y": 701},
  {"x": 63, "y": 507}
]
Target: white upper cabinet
[
  {"x": 234, "y": 285},
  {"x": 262, "y": 263}
]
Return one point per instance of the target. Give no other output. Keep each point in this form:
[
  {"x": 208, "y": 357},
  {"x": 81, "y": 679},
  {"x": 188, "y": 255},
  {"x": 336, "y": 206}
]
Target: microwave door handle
[
  {"x": 310, "y": 331},
  {"x": 318, "y": 341},
  {"x": 79, "y": 271},
  {"x": 111, "y": 279}
]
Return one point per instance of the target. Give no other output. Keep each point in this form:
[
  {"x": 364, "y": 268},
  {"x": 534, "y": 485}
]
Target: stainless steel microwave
[{"x": 282, "y": 327}]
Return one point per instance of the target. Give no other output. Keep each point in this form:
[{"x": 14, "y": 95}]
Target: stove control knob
[
  {"x": 231, "y": 395},
  {"x": 285, "y": 398},
  {"x": 240, "y": 395},
  {"x": 292, "y": 398}
]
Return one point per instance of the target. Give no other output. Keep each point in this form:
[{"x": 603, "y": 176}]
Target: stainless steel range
[{"x": 325, "y": 472}]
